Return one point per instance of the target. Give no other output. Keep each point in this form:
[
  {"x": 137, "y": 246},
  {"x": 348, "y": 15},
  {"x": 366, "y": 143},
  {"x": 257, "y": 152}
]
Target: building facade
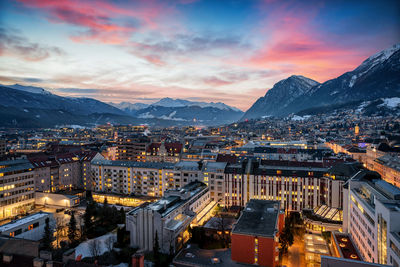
[
  {"x": 255, "y": 236},
  {"x": 168, "y": 218},
  {"x": 371, "y": 216},
  {"x": 17, "y": 187}
]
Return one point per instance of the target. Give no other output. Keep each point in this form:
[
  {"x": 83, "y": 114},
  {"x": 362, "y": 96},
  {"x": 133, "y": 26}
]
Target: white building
[
  {"x": 371, "y": 216},
  {"x": 17, "y": 183},
  {"x": 30, "y": 227},
  {"x": 127, "y": 177},
  {"x": 168, "y": 217}
]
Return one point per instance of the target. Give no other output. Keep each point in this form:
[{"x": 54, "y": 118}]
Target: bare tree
[
  {"x": 109, "y": 242},
  {"x": 223, "y": 223},
  {"x": 94, "y": 247},
  {"x": 59, "y": 229}
]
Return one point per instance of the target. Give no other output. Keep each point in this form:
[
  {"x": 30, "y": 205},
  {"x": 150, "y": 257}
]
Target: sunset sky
[{"x": 227, "y": 51}]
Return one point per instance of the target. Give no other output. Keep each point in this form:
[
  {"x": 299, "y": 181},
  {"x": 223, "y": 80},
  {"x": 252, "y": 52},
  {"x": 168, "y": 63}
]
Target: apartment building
[
  {"x": 297, "y": 185},
  {"x": 371, "y": 216},
  {"x": 163, "y": 152},
  {"x": 168, "y": 218},
  {"x": 132, "y": 148},
  {"x": 63, "y": 170},
  {"x": 127, "y": 177},
  {"x": 388, "y": 166},
  {"x": 255, "y": 236},
  {"x": 17, "y": 184}
]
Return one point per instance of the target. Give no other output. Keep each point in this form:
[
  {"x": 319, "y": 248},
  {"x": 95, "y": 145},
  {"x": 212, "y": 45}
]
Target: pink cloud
[
  {"x": 296, "y": 46},
  {"x": 99, "y": 18}
]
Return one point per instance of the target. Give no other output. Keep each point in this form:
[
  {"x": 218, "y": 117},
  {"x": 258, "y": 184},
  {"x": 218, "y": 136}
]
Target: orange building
[{"x": 255, "y": 236}]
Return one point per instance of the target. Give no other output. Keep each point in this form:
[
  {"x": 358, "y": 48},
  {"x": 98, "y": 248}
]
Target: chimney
[
  {"x": 7, "y": 258},
  {"x": 38, "y": 262},
  {"x": 138, "y": 259}
]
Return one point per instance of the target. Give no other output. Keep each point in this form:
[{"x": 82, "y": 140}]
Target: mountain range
[
  {"x": 373, "y": 88},
  {"x": 29, "y": 106},
  {"x": 377, "y": 78}
]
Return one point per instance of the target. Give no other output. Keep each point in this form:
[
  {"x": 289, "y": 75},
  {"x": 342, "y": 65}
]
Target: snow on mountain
[
  {"x": 391, "y": 102},
  {"x": 127, "y": 106},
  {"x": 173, "y": 103},
  {"x": 30, "y": 89},
  {"x": 170, "y": 102}
]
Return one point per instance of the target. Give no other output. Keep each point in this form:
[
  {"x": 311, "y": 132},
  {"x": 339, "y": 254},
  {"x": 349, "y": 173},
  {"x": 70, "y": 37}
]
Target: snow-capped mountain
[
  {"x": 30, "y": 89},
  {"x": 129, "y": 107},
  {"x": 183, "y": 111},
  {"x": 170, "y": 102},
  {"x": 190, "y": 114},
  {"x": 378, "y": 77},
  {"x": 280, "y": 96},
  {"x": 19, "y": 98}
]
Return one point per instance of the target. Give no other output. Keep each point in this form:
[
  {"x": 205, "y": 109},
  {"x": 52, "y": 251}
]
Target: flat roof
[
  {"x": 15, "y": 165},
  {"x": 259, "y": 217},
  {"x": 134, "y": 164},
  {"x": 17, "y": 223}
]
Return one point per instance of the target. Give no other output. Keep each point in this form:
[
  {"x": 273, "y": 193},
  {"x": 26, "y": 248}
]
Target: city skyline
[{"x": 227, "y": 51}]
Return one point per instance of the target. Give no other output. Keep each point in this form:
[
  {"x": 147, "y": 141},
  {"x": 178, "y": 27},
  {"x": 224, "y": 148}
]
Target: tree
[
  {"x": 286, "y": 237},
  {"x": 59, "y": 230},
  {"x": 156, "y": 251},
  {"x": 109, "y": 242},
  {"x": 87, "y": 219},
  {"x": 72, "y": 229},
  {"x": 48, "y": 236},
  {"x": 122, "y": 215},
  {"x": 94, "y": 247},
  {"x": 120, "y": 236}
]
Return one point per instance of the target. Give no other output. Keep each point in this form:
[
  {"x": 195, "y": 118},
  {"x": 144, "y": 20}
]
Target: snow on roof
[{"x": 23, "y": 221}]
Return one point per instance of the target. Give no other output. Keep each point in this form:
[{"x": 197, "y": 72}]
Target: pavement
[{"x": 296, "y": 254}]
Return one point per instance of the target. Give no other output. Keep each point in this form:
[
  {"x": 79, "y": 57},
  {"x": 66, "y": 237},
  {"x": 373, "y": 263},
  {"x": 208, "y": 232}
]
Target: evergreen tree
[
  {"x": 87, "y": 219},
  {"x": 122, "y": 215},
  {"x": 48, "y": 236},
  {"x": 72, "y": 229},
  {"x": 156, "y": 251}
]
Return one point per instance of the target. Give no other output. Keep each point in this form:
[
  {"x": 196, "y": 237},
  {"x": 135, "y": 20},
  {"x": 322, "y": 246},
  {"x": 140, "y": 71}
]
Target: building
[
  {"x": 388, "y": 167},
  {"x": 17, "y": 187},
  {"x": 371, "y": 215},
  {"x": 343, "y": 246},
  {"x": 213, "y": 176},
  {"x": 168, "y": 218},
  {"x": 132, "y": 148},
  {"x": 56, "y": 200},
  {"x": 255, "y": 236},
  {"x": 127, "y": 177},
  {"x": 30, "y": 227},
  {"x": 164, "y": 152},
  {"x": 297, "y": 185},
  {"x": 3, "y": 147}
]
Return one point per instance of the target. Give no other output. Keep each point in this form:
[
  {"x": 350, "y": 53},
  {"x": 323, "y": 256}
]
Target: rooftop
[
  {"x": 134, "y": 164},
  {"x": 259, "y": 217},
  {"x": 15, "y": 165},
  {"x": 17, "y": 223}
]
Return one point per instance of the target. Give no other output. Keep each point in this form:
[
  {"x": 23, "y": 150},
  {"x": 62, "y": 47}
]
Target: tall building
[
  {"x": 132, "y": 148},
  {"x": 297, "y": 185},
  {"x": 17, "y": 187},
  {"x": 168, "y": 218},
  {"x": 255, "y": 236},
  {"x": 371, "y": 216}
]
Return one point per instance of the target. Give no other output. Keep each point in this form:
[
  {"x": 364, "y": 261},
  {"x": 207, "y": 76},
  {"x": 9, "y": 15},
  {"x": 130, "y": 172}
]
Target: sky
[{"x": 220, "y": 51}]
